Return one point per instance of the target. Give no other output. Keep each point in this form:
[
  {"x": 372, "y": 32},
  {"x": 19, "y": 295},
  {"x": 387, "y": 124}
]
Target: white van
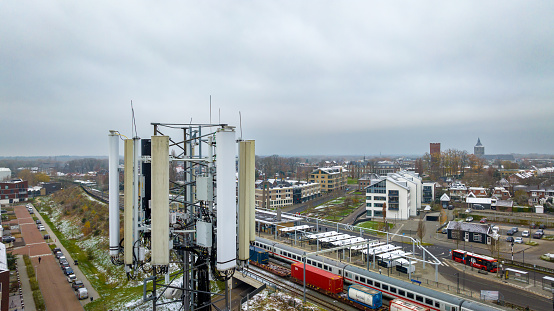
[{"x": 82, "y": 293}]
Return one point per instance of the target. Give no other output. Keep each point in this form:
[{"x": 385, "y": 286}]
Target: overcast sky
[{"x": 309, "y": 77}]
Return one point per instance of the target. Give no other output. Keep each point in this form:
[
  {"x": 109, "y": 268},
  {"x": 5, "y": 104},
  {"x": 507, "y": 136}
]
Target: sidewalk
[
  {"x": 80, "y": 276},
  {"x": 533, "y": 287},
  {"x": 25, "y": 285}
]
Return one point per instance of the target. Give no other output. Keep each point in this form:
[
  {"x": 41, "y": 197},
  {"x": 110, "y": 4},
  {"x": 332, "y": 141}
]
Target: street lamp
[
  {"x": 512, "y": 251},
  {"x": 457, "y": 274}
]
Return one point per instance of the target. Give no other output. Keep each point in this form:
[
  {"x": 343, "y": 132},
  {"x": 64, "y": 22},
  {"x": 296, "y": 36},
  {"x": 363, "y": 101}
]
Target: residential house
[
  {"x": 479, "y": 192},
  {"x": 469, "y": 232},
  {"x": 457, "y": 191}
]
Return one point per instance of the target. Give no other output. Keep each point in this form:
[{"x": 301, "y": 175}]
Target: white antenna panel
[{"x": 226, "y": 199}]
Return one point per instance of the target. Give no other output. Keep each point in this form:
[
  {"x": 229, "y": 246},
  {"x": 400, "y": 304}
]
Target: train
[
  {"x": 390, "y": 288},
  {"x": 401, "y": 305},
  {"x": 365, "y": 296},
  {"x": 324, "y": 280}
]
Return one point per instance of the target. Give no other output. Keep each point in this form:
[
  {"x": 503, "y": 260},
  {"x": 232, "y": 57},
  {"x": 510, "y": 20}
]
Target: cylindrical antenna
[{"x": 240, "y": 124}]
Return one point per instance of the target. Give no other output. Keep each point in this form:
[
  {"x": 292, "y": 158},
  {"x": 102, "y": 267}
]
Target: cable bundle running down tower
[{"x": 180, "y": 197}]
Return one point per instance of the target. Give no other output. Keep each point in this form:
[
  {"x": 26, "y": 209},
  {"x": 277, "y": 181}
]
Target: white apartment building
[{"x": 401, "y": 192}]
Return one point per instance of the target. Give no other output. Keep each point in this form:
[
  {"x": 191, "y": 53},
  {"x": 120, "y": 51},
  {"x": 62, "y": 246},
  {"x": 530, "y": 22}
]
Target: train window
[
  {"x": 454, "y": 308},
  {"x": 437, "y": 304},
  {"x": 385, "y": 287},
  {"x": 401, "y": 292},
  {"x": 309, "y": 262},
  {"x": 319, "y": 265},
  {"x": 429, "y": 301},
  {"x": 325, "y": 267},
  {"x": 393, "y": 289},
  {"x": 370, "y": 282},
  {"x": 377, "y": 284},
  {"x": 410, "y": 295},
  {"x": 419, "y": 298},
  {"x": 362, "y": 279},
  {"x": 347, "y": 274},
  {"x": 356, "y": 278}
]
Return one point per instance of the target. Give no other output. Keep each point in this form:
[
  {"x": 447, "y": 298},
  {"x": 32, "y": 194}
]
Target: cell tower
[{"x": 189, "y": 219}]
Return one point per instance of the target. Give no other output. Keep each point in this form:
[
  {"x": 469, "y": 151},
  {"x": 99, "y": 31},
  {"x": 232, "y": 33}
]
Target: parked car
[
  {"x": 518, "y": 240},
  {"x": 56, "y": 249},
  {"x": 525, "y": 233},
  {"x": 450, "y": 207},
  {"x": 46, "y": 236},
  {"x": 64, "y": 265},
  {"x": 532, "y": 226},
  {"x": 478, "y": 206},
  {"x": 510, "y": 239},
  {"x": 82, "y": 293},
  {"x": 68, "y": 271},
  {"x": 58, "y": 254},
  {"x": 38, "y": 222},
  {"x": 542, "y": 226},
  {"x": 469, "y": 219},
  {"x": 538, "y": 234},
  {"x": 4, "y": 211},
  {"x": 515, "y": 229},
  {"x": 77, "y": 284},
  {"x": 510, "y": 232},
  {"x": 468, "y": 210},
  {"x": 483, "y": 220},
  {"x": 41, "y": 228},
  {"x": 8, "y": 239},
  {"x": 71, "y": 278}
]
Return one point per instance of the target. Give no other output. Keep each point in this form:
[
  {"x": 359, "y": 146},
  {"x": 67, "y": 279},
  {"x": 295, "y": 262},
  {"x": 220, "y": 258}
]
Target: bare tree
[
  {"x": 456, "y": 233},
  {"x": 421, "y": 228}
]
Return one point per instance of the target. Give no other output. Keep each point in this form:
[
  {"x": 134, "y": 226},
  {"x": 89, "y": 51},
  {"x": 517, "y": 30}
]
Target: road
[{"x": 56, "y": 291}]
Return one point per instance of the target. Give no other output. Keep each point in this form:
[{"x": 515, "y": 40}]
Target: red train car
[{"x": 319, "y": 278}]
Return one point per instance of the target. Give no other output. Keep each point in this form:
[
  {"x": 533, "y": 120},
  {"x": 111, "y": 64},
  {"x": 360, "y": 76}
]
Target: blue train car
[
  {"x": 365, "y": 296},
  {"x": 259, "y": 255}
]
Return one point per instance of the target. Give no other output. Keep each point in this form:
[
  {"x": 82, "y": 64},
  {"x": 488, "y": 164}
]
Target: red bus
[{"x": 478, "y": 261}]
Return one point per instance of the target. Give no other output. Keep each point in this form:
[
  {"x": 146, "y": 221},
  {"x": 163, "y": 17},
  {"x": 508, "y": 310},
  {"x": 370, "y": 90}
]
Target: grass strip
[{"x": 37, "y": 294}]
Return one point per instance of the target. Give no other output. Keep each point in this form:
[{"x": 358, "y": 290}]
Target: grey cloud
[{"x": 310, "y": 77}]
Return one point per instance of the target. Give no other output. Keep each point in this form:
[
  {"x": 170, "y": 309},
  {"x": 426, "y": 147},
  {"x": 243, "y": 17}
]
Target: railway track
[{"x": 294, "y": 289}]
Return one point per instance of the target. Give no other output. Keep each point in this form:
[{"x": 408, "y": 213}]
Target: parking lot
[{"x": 56, "y": 290}]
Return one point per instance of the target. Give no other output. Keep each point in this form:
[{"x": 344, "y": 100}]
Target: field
[{"x": 337, "y": 209}]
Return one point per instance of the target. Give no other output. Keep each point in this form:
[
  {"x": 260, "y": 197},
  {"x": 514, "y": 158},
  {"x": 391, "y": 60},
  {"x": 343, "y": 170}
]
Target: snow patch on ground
[{"x": 267, "y": 300}]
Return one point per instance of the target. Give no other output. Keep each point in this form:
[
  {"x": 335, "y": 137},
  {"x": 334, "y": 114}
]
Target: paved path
[
  {"x": 56, "y": 291},
  {"x": 25, "y": 285},
  {"x": 352, "y": 216}
]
